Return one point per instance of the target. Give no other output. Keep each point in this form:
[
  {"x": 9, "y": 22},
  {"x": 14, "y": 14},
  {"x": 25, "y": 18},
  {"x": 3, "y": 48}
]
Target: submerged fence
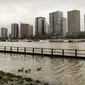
[{"x": 43, "y": 51}]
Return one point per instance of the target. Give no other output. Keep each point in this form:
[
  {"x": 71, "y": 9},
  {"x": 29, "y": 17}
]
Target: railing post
[
  {"x": 75, "y": 52},
  {"x": 5, "y": 48},
  {"x": 63, "y": 52},
  {"x": 42, "y": 51},
  {"x": 10, "y": 48},
  {"x": 33, "y": 50},
  {"x": 51, "y": 51},
  {"x": 17, "y": 49},
  {"x": 25, "y": 50}
]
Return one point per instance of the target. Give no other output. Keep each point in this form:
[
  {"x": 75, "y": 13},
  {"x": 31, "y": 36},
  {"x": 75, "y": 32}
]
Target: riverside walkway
[{"x": 72, "y": 53}]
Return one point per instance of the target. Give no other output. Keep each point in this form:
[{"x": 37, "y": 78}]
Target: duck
[{"x": 38, "y": 69}]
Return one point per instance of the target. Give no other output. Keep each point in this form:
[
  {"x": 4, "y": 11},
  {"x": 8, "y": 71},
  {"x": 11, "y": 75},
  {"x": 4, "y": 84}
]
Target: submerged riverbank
[{"x": 11, "y": 79}]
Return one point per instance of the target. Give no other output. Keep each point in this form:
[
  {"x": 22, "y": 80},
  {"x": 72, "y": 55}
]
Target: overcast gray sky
[{"x": 12, "y": 11}]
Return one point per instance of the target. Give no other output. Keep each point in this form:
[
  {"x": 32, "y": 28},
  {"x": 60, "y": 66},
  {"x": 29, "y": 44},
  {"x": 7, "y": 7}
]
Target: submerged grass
[{"x": 11, "y": 79}]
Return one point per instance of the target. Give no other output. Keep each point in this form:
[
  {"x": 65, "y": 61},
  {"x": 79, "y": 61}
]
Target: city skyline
[
  {"x": 16, "y": 11},
  {"x": 55, "y": 17}
]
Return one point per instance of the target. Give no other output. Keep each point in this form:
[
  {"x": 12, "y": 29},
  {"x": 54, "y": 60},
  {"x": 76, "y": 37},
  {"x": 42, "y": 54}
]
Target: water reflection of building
[{"x": 38, "y": 59}]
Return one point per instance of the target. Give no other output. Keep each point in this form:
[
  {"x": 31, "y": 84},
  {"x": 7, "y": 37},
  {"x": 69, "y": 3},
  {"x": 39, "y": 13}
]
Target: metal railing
[{"x": 42, "y": 51}]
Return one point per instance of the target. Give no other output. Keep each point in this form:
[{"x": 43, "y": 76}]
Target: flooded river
[{"x": 56, "y": 71}]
